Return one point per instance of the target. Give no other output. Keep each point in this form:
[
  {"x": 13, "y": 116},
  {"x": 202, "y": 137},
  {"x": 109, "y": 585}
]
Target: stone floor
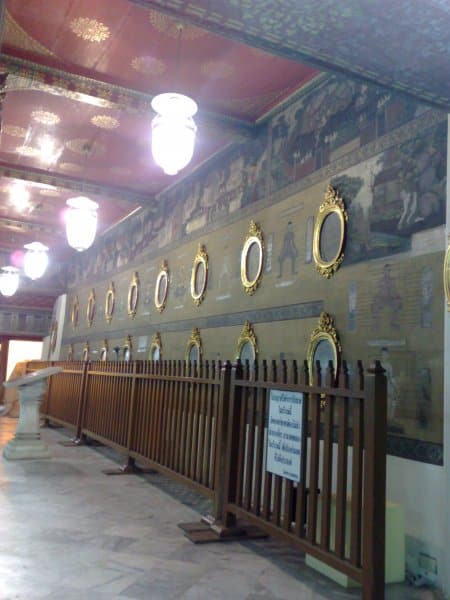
[{"x": 69, "y": 532}]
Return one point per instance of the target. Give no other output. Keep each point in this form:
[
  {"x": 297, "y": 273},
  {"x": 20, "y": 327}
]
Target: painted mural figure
[
  {"x": 392, "y": 385},
  {"x": 289, "y": 249},
  {"x": 386, "y": 297},
  {"x": 426, "y": 284}
]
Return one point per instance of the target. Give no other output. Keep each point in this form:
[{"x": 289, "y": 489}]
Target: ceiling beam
[
  {"x": 71, "y": 183},
  {"x": 78, "y": 87}
]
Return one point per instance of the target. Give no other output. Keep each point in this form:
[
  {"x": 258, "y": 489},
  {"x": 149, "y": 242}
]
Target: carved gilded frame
[
  {"x": 86, "y": 350},
  {"x": 90, "y": 309},
  {"x": 127, "y": 349},
  {"x": 253, "y": 237},
  {"x": 324, "y": 332},
  {"x": 194, "y": 341},
  {"x": 75, "y": 312},
  {"x": 333, "y": 204},
  {"x": 104, "y": 351},
  {"x": 155, "y": 345},
  {"x": 53, "y": 335},
  {"x": 247, "y": 336},
  {"x": 200, "y": 261},
  {"x": 162, "y": 279},
  {"x": 446, "y": 274},
  {"x": 133, "y": 295},
  {"x": 110, "y": 302}
]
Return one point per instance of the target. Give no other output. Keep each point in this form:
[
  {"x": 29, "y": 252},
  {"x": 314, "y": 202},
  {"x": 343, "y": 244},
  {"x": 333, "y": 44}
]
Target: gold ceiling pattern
[
  {"x": 105, "y": 122},
  {"x": 217, "y": 69},
  {"x": 27, "y": 151},
  {"x": 90, "y": 30},
  {"x": 170, "y": 27},
  {"x": 71, "y": 167},
  {"x": 148, "y": 65},
  {"x": 85, "y": 147},
  {"x": 50, "y": 193},
  {"x": 45, "y": 117},
  {"x": 14, "y": 130}
]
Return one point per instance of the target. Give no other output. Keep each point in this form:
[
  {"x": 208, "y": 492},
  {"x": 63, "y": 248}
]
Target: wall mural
[{"x": 388, "y": 290}]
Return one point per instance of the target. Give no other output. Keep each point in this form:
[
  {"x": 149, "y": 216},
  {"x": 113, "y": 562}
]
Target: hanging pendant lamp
[
  {"x": 81, "y": 222},
  {"x": 35, "y": 261},
  {"x": 9, "y": 281},
  {"x": 173, "y": 128}
]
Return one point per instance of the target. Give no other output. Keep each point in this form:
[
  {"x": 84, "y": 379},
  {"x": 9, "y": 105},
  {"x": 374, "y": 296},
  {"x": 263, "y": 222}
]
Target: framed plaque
[
  {"x": 110, "y": 301},
  {"x": 247, "y": 348},
  {"x": 133, "y": 295},
  {"x": 162, "y": 287},
  {"x": 252, "y": 259},
  {"x": 90, "y": 310},
  {"x": 199, "y": 275},
  {"x": 155, "y": 348},
  {"x": 329, "y": 234},
  {"x": 194, "y": 347},
  {"x": 324, "y": 345},
  {"x": 75, "y": 312}
]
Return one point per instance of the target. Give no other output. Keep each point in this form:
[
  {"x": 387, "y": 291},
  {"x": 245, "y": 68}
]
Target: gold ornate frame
[
  {"x": 53, "y": 335},
  {"x": 155, "y": 344},
  {"x": 133, "y": 295},
  {"x": 75, "y": 311},
  {"x": 325, "y": 331},
  {"x": 90, "y": 310},
  {"x": 201, "y": 258},
  {"x": 127, "y": 347},
  {"x": 110, "y": 302},
  {"x": 194, "y": 341},
  {"x": 86, "y": 350},
  {"x": 104, "y": 351},
  {"x": 247, "y": 336},
  {"x": 333, "y": 203},
  {"x": 162, "y": 275},
  {"x": 253, "y": 237},
  {"x": 446, "y": 275}
]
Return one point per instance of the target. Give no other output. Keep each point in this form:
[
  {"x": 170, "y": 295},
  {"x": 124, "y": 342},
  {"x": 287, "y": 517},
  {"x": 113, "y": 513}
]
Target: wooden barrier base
[
  {"x": 208, "y": 531},
  {"x": 129, "y": 468}
]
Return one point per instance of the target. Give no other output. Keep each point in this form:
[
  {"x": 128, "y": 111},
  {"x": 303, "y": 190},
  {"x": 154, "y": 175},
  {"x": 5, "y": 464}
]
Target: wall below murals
[{"x": 386, "y": 156}]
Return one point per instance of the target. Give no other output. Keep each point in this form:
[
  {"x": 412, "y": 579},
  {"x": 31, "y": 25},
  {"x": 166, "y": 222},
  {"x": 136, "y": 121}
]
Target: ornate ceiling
[{"x": 84, "y": 72}]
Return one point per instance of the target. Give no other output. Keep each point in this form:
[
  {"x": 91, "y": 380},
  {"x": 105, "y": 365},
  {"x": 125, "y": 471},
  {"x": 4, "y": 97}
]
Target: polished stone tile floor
[{"x": 67, "y": 531}]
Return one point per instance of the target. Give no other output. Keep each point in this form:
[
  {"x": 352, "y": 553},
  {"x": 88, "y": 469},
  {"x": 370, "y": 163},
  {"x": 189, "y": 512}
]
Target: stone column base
[{"x": 19, "y": 449}]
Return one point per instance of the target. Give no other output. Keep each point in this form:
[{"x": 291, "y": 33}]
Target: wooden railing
[{"x": 208, "y": 426}]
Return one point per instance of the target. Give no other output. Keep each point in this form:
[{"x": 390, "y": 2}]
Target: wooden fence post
[
  {"x": 374, "y": 512},
  {"x": 220, "y": 446},
  {"x": 81, "y": 403}
]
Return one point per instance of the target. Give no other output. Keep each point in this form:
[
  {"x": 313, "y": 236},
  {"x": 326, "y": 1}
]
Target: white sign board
[{"x": 285, "y": 434}]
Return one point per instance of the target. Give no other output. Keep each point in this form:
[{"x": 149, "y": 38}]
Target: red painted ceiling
[{"x": 83, "y": 73}]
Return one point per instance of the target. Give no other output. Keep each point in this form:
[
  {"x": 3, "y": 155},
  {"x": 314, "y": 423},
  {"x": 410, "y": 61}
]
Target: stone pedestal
[{"x": 27, "y": 442}]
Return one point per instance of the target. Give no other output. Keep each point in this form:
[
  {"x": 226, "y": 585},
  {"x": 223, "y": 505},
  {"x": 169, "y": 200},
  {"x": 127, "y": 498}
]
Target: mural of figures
[
  {"x": 393, "y": 392},
  {"x": 423, "y": 407},
  {"x": 426, "y": 305},
  {"x": 352, "y": 299},
  {"x": 289, "y": 250},
  {"x": 309, "y": 239},
  {"x": 386, "y": 300}
]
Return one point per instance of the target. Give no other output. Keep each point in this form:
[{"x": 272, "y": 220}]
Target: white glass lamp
[
  {"x": 9, "y": 281},
  {"x": 81, "y": 222},
  {"x": 173, "y": 131},
  {"x": 35, "y": 260}
]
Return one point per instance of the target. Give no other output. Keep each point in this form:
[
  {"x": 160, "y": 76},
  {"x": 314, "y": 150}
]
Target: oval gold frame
[
  {"x": 75, "y": 312},
  {"x": 201, "y": 258},
  {"x": 333, "y": 203},
  {"x": 446, "y": 276},
  {"x": 162, "y": 275},
  {"x": 155, "y": 344},
  {"x": 104, "y": 351},
  {"x": 127, "y": 347},
  {"x": 254, "y": 236},
  {"x": 194, "y": 341},
  {"x": 53, "y": 335},
  {"x": 110, "y": 302},
  {"x": 247, "y": 336},
  {"x": 133, "y": 295},
  {"x": 85, "y": 354},
  {"x": 325, "y": 331},
  {"x": 90, "y": 309}
]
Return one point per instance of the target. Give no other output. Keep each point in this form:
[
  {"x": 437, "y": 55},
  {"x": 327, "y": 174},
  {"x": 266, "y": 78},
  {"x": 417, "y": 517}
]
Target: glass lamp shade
[
  {"x": 9, "y": 281},
  {"x": 81, "y": 222},
  {"x": 35, "y": 260},
  {"x": 173, "y": 131}
]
